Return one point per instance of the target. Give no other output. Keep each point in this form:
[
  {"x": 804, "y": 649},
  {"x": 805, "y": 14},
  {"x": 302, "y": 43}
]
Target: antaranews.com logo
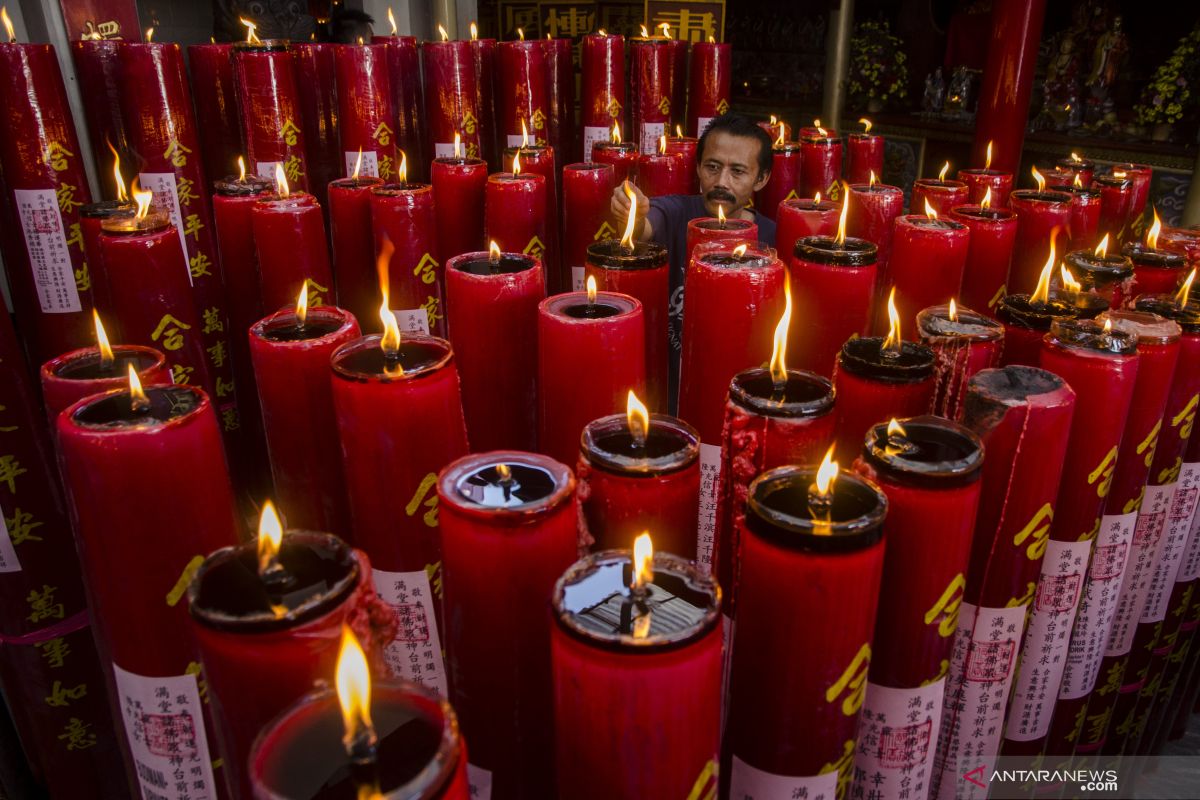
[{"x": 1083, "y": 780}]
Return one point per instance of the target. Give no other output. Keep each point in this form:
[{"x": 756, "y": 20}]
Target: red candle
[
  {"x": 80, "y": 373},
  {"x": 602, "y": 86},
  {"x": 266, "y": 635},
  {"x": 1116, "y": 204},
  {"x": 979, "y": 181},
  {"x": 679, "y": 72},
  {"x": 316, "y": 70},
  {"x": 1102, "y": 274},
  {"x": 650, "y": 70},
  {"x": 591, "y": 353},
  {"x": 451, "y": 100},
  {"x": 1154, "y": 271},
  {"x": 366, "y": 120},
  {"x": 709, "y": 84},
  {"x": 703, "y": 230},
  {"x": 834, "y": 283},
  {"x": 640, "y": 472},
  {"x": 289, "y": 237},
  {"x": 539, "y": 160},
  {"x": 1140, "y": 175},
  {"x": 1076, "y": 167},
  {"x": 458, "y": 191},
  {"x": 1038, "y": 215},
  {"x": 560, "y": 98},
  {"x": 615, "y": 645},
  {"x": 928, "y": 258},
  {"x": 993, "y": 234},
  {"x": 793, "y": 711},
  {"x": 403, "y": 214},
  {"x": 785, "y": 181},
  {"x": 864, "y": 155},
  {"x": 621, "y": 155},
  {"x": 521, "y": 92},
  {"x": 798, "y": 218},
  {"x": 587, "y": 197},
  {"x": 685, "y": 148},
  {"x": 941, "y": 195},
  {"x": 45, "y": 187},
  {"x": 492, "y": 301},
  {"x": 515, "y": 214},
  {"x": 91, "y": 219},
  {"x": 773, "y": 417},
  {"x": 389, "y": 459},
  {"x": 1084, "y": 224},
  {"x": 873, "y": 207},
  {"x": 420, "y": 753},
  {"x": 109, "y": 443},
  {"x": 483, "y": 56},
  {"x": 97, "y": 71},
  {"x": 211, "y": 67},
  {"x": 1181, "y": 240},
  {"x": 964, "y": 342},
  {"x": 1027, "y": 319},
  {"x": 290, "y": 351},
  {"x": 404, "y": 63},
  {"x": 509, "y": 529},
  {"x": 928, "y": 468},
  {"x": 820, "y": 164},
  {"x": 270, "y": 110},
  {"x": 640, "y": 270},
  {"x": 353, "y": 245},
  {"x": 663, "y": 173}
]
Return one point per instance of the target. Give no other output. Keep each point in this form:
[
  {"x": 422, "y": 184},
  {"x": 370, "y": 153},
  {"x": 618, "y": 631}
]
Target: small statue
[
  {"x": 1060, "y": 99},
  {"x": 935, "y": 91},
  {"x": 958, "y": 93},
  {"x": 1108, "y": 57}
]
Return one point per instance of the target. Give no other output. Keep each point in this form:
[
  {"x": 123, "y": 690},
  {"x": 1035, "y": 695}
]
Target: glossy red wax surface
[
  {"x": 602, "y": 86},
  {"x": 289, "y": 236},
  {"x": 521, "y": 83},
  {"x": 451, "y": 99},
  {"x": 993, "y": 234},
  {"x": 366, "y": 112},
  {"x": 272, "y": 116},
  {"x": 60, "y": 390},
  {"x": 587, "y": 197},
  {"x": 835, "y": 300},
  {"x": 820, "y": 165},
  {"x": 709, "y": 82},
  {"x": 354, "y": 274},
  {"x": 1037, "y": 219},
  {"x": 211, "y": 67},
  {"x": 979, "y": 181},
  {"x": 316, "y": 77},
  {"x": 458, "y": 193},
  {"x": 927, "y": 264},
  {"x": 405, "y": 215},
  {"x": 864, "y": 155},
  {"x": 941, "y": 195},
  {"x": 515, "y": 214},
  {"x": 784, "y": 183}
]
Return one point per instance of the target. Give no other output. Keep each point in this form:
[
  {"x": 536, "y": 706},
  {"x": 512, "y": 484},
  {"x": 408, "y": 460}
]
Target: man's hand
[{"x": 619, "y": 206}]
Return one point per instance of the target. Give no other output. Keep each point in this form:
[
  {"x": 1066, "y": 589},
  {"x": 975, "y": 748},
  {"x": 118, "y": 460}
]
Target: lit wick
[
  {"x": 507, "y": 484},
  {"x": 493, "y": 257},
  {"x": 591, "y": 295},
  {"x": 270, "y": 539},
  {"x": 778, "y": 364},
  {"x": 897, "y": 439},
  {"x": 1181, "y": 299},
  {"x": 820, "y": 493},
  {"x": 1041, "y": 293},
  {"x": 106, "y": 354},
  {"x": 138, "y": 401},
  {"x": 638, "y": 418},
  {"x": 353, "y": 681},
  {"x": 627, "y": 239},
  {"x": 390, "y": 341},
  {"x": 721, "y": 216},
  {"x": 643, "y": 571},
  {"x": 302, "y": 305},
  {"x": 892, "y": 344}
]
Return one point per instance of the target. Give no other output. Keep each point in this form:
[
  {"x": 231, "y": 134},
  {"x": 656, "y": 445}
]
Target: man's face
[{"x": 728, "y": 172}]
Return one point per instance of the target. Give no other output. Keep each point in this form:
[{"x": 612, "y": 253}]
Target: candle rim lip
[
  {"x": 311, "y": 609},
  {"x": 1143, "y": 256},
  {"x": 977, "y": 213},
  {"x": 947, "y": 473},
  {"x": 861, "y": 364},
  {"x": 1049, "y": 196},
  {"x": 1146, "y": 326},
  {"x": 625, "y": 465},
  {"x": 664, "y": 562},
  {"x": 435, "y": 776},
  {"x": 733, "y": 225},
  {"x": 1088, "y": 335},
  {"x": 372, "y": 340},
  {"x": 264, "y": 46},
  {"x": 1114, "y": 264},
  {"x": 652, "y": 256},
  {"x": 786, "y": 149},
  {"x": 1078, "y": 192},
  {"x": 622, "y": 146},
  {"x": 590, "y": 166},
  {"x": 992, "y": 330},
  {"x": 553, "y": 306},
  {"x": 201, "y": 46},
  {"x": 823, "y": 141},
  {"x": 863, "y": 135},
  {"x": 454, "y": 264},
  {"x": 1019, "y": 385},
  {"x": 535, "y": 150},
  {"x": 52, "y": 369},
  {"x": 1131, "y": 166},
  {"x": 251, "y": 186},
  {"x": 106, "y": 209},
  {"x": 799, "y": 534},
  {"x": 826, "y": 250},
  {"x": 1112, "y": 181},
  {"x": 939, "y": 184},
  {"x": 297, "y": 199},
  {"x": 125, "y": 225},
  {"x": 876, "y": 188},
  {"x": 1016, "y": 310},
  {"x": 934, "y": 223},
  {"x": 346, "y": 323},
  {"x": 1081, "y": 164},
  {"x": 524, "y": 177},
  {"x": 364, "y": 182},
  {"x": 459, "y": 161},
  {"x": 68, "y": 418},
  {"x": 453, "y": 474},
  {"x": 742, "y": 395},
  {"x": 397, "y": 189},
  {"x": 1187, "y": 317},
  {"x": 986, "y": 172},
  {"x": 808, "y": 204}
]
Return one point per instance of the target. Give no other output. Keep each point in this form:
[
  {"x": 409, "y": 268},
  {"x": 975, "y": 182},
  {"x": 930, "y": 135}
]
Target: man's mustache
[{"x": 720, "y": 194}]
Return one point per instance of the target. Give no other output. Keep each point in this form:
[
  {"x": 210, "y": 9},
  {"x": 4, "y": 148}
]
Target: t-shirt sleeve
[{"x": 664, "y": 216}]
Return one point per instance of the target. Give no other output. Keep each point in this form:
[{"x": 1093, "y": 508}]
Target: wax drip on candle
[
  {"x": 1181, "y": 299},
  {"x": 778, "y": 363},
  {"x": 106, "y": 353},
  {"x": 892, "y": 344},
  {"x": 638, "y": 418},
  {"x": 353, "y": 680},
  {"x": 137, "y": 397},
  {"x": 390, "y": 342},
  {"x": 820, "y": 493}
]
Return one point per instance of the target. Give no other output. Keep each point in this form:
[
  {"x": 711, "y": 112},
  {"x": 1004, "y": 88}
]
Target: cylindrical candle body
[
  {"x": 354, "y": 273},
  {"x": 1038, "y": 215},
  {"x": 451, "y": 100},
  {"x": 661, "y": 174},
  {"x": 820, "y": 165},
  {"x": 873, "y": 384},
  {"x": 942, "y": 196},
  {"x": 1026, "y": 321},
  {"x": 927, "y": 263},
  {"x": 560, "y": 98},
  {"x": 521, "y": 84},
  {"x": 515, "y": 214},
  {"x": 1140, "y": 175},
  {"x": 711, "y": 229},
  {"x": 540, "y": 160},
  {"x": 366, "y": 112},
  {"x": 404, "y": 66},
  {"x": 458, "y": 192},
  {"x": 289, "y": 237},
  {"x": 403, "y": 213},
  {"x": 832, "y": 286},
  {"x": 211, "y": 67},
  {"x": 872, "y": 212},
  {"x": 963, "y": 345},
  {"x": 1082, "y": 168},
  {"x": 785, "y": 181},
  {"x": 709, "y": 82},
  {"x": 1154, "y": 271},
  {"x": 270, "y": 110},
  {"x": 864, "y": 155},
  {"x": 315, "y": 65},
  {"x": 1085, "y": 216},
  {"x": 621, "y": 155},
  {"x": 989, "y": 255},
  {"x": 1116, "y": 205},
  {"x": 979, "y": 181},
  {"x": 685, "y": 147},
  {"x": 798, "y": 218},
  {"x": 97, "y": 70},
  {"x": 587, "y": 196},
  {"x": 80, "y": 373},
  {"x": 650, "y": 71},
  {"x": 602, "y": 87}
]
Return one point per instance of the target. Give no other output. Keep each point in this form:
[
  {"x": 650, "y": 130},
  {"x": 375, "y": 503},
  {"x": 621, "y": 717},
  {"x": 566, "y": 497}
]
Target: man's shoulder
[{"x": 766, "y": 228}]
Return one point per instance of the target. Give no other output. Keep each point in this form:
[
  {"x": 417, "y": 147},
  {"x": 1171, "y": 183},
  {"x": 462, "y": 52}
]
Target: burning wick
[
  {"x": 353, "y": 680},
  {"x": 302, "y": 305},
  {"x": 270, "y": 539},
  {"x": 721, "y": 216},
  {"x": 517, "y": 163},
  {"x": 493, "y": 256},
  {"x": 678, "y": 132},
  {"x": 945, "y": 169},
  {"x": 1101, "y": 250},
  {"x": 739, "y": 252},
  {"x": 524, "y": 135},
  {"x": 638, "y": 418},
  {"x": 521, "y": 33},
  {"x": 281, "y": 184},
  {"x": 987, "y": 164},
  {"x": 627, "y": 239},
  {"x": 1078, "y": 184},
  {"x": 242, "y": 169},
  {"x": 506, "y": 480},
  {"x": 251, "y": 36},
  {"x": 8, "y": 26},
  {"x": 897, "y": 441},
  {"x": 873, "y": 181},
  {"x": 1181, "y": 299},
  {"x": 1075, "y": 157},
  {"x": 778, "y": 363},
  {"x": 986, "y": 202},
  {"x": 150, "y": 34},
  {"x": 402, "y": 171},
  {"x": 953, "y": 312},
  {"x": 1107, "y": 326},
  {"x": 1155, "y": 230},
  {"x": 616, "y": 133},
  {"x": 866, "y": 123},
  {"x": 1069, "y": 284},
  {"x": 143, "y": 200},
  {"x": 357, "y": 165},
  {"x": 442, "y": 31},
  {"x": 930, "y": 212},
  {"x": 591, "y": 293},
  {"x": 1041, "y": 293},
  {"x": 392, "y": 21},
  {"x": 840, "y": 239},
  {"x": 390, "y": 341},
  {"x": 643, "y": 569},
  {"x": 892, "y": 345},
  {"x": 118, "y": 179},
  {"x": 138, "y": 401},
  {"x": 457, "y": 144},
  {"x": 820, "y": 493},
  {"x": 106, "y": 353}
]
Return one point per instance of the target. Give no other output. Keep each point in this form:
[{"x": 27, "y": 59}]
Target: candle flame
[
  {"x": 774, "y": 120},
  {"x": 930, "y": 211},
  {"x": 874, "y": 180},
  {"x": 150, "y": 34},
  {"x": 945, "y": 169},
  {"x": 1181, "y": 299},
  {"x": 721, "y": 214},
  {"x": 106, "y": 353},
  {"x": 778, "y": 363},
  {"x": 457, "y": 144},
  {"x": 251, "y": 27},
  {"x": 521, "y": 33},
  {"x": 827, "y": 473},
  {"x": 8, "y": 26},
  {"x": 953, "y": 313},
  {"x": 666, "y": 29},
  {"x": 474, "y": 32},
  {"x": 270, "y": 536},
  {"x": 1155, "y": 230},
  {"x": 1037, "y": 176},
  {"x": 893, "y": 341},
  {"x": 1119, "y": 174},
  {"x": 637, "y": 416},
  {"x": 143, "y": 200},
  {"x": 712, "y": 39},
  {"x": 1042, "y": 293},
  {"x": 392, "y": 20},
  {"x": 357, "y": 165},
  {"x": 390, "y": 343},
  {"x": 493, "y": 252},
  {"x": 1068, "y": 280},
  {"x": 442, "y": 31},
  {"x": 894, "y": 428},
  {"x": 678, "y": 131},
  {"x": 866, "y": 123},
  {"x": 524, "y": 134},
  {"x": 602, "y": 32},
  {"x": 302, "y": 303},
  {"x": 987, "y": 164},
  {"x": 503, "y": 471},
  {"x": 1108, "y": 325},
  {"x": 1075, "y": 157},
  {"x": 841, "y": 231},
  {"x": 137, "y": 396},
  {"x": 122, "y": 195},
  {"x": 816, "y": 198},
  {"x": 1102, "y": 248},
  {"x": 662, "y": 145},
  {"x": 645, "y": 33},
  {"x": 643, "y": 557},
  {"x": 402, "y": 172},
  {"x": 281, "y": 184},
  {"x": 631, "y": 222},
  {"x": 591, "y": 289},
  {"x": 616, "y": 133},
  {"x": 779, "y": 138},
  {"x": 517, "y": 162},
  {"x": 820, "y": 130},
  {"x": 740, "y": 250},
  {"x": 354, "y": 689},
  {"x": 1077, "y": 183},
  {"x": 986, "y": 202}
]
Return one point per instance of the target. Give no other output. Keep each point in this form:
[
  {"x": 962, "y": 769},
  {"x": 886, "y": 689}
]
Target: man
[{"x": 733, "y": 161}]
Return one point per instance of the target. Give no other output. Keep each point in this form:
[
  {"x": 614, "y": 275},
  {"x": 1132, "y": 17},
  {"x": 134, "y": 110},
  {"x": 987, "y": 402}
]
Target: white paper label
[
  {"x": 164, "y": 725},
  {"x": 710, "y": 482},
  {"x": 748, "y": 783},
  {"x": 369, "y": 168},
  {"x": 8, "y": 553},
  {"x": 982, "y": 664},
  {"x": 1157, "y": 505},
  {"x": 578, "y": 279},
  {"x": 1144, "y": 550},
  {"x": 1044, "y": 651},
  {"x": 591, "y": 135},
  {"x": 515, "y": 140},
  {"x": 412, "y": 320},
  {"x": 649, "y": 135},
  {"x": 479, "y": 781},
  {"x": 266, "y": 169},
  {"x": 49, "y": 257},
  {"x": 1101, "y": 590},
  {"x": 416, "y": 652},
  {"x": 897, "y": 733},
  {"x": 701, "y": 124},
  {"x": 1183, "y": 512},
  {"x": 166, "y": 198},
  {"x": 443, "y": 150}
]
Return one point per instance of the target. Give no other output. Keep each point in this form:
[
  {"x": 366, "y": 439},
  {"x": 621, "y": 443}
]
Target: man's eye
[{"x": 739, "y": 172}]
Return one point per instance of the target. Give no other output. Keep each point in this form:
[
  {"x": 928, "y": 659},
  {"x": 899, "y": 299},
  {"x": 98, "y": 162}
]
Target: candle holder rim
[
  {"x": 943, "y": 223},
  {"x": 251, "y": 186},
  {"x": 851, "y": 252},
  {"x": 459, "y": 161},
  {"x": 1002, "y": 216},
  {"x": 943, "y": 184},
  {"x": 619, "y": 463},
  {"x": 800, "y": 533},
  {"x": 1088, "y": 334},
  {"x": 129, "y": 225},
  {"x": 1114, "y": 264},
  {"x": 960, "y": 471},
  {"x": 808, "y": 204},
  {"x": 68, "y": 417},
  {"x": 397, "y": 189},
  {"x": 1018, "y": 311},
  {"x": 372, "y": 340},
  {"x": 345, "y": 319},
  {"x": 52, "y": 368},
  {"x": 1112, "y": 181},
  {"x": 1146, "y": 327},
  {"x": 361, "y": 182},
  {"x": 758, "y": 255},
  {"x": 610, "y": 254},
  {"x": 860, "y": 363},
  {"x": 1142, "y": 256},
  {"x": 262, "y": 46},
  {"x": 1187, "y": 317},
  {"x": 1079, "y": 192},
  {"x": 1052, "y": 196},
  {"x": 876, "y": 188},
  {"x": 990, "y": 329},
  {"x": 456, "y": 263},
  {"x": 732, "y": 225},
  {"x": 741, "y": 394},
  {"x": 589, "y": 166},
  {"x": 104, "y": 209},
  {"x": 453, "y": 474},
  {"x": 551, "y": 306}
]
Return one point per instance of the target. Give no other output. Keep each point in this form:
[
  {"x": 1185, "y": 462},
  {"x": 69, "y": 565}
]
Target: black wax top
[
  {"x": 982, "y": 171},
  {"x": 865, "y": 357},
  {"x": 730, "y": 224},
  {"x": 828, "y": 250},
  {"x": 593, "y": 602},
  {"x": 938, "y": 183},
  {"x": 227, "y": 593},
  {"x": 935, "y": 321},
  {"x": 937, "y": 223},
  {"x": 1080, "y": 191},
  {"x": 486, "y": 487},
  {"x": 483, "y": 264},
  {"x": 249, "y": 186},
  {"x": 363, "y": 359},
  {"x": 670, "y": 445},
  {"x": 130, "y": 225},
  {"x": 803, "y": 394},
  {"x": 778, "y": 509},
  {"x": 1143, "y": 256},
  {"x": 361, "y": 182},
  {"x": 88, "y": 367},
  {"x": 1088, "y": 334},
  {"x": 262, "y": 46},
  {"x": 103, "y": 209},
  {"x": 1085, "y": 265},
  {"x": 596, "y": 310},
  {"x": 1186, "y": 316},
  {"x": 1047, "y": 196},
  {"x": 624, "y": 146},
  {"x": 286, "y": 327},
  {"x": 1019, "y": 311},
  {"x": 751, "y": 259},
  {"x": 458, "y": 161},
  {"x": 398, "y": 189},
  {"x": 989, "y": 214},
  {"x": 1011, "y": 385},
  {"x": 931, "y": 452},
  {"x": 1112, "y": 181},
  {"x": 611, "y": 254},
  {"x": 114, "y": 410}
]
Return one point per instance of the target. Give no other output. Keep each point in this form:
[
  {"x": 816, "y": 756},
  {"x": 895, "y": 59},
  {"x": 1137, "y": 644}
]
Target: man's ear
[{"x": 762, "y": 179}]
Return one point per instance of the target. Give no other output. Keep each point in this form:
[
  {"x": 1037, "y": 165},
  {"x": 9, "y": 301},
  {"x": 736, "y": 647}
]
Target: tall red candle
[
  {"x": 451, "y": 100},
  {"x": 1027, "y": 320},
  {"x": 798, "y": 218},
  {"x": 211, "y": 67},
  {"x": 515, "y": 214},
  {"x": 663, "y": 173},
  {"x": 785, "y": 181},
  {"x": 602, "y": 87},
  {"x": 928, "y": 258},
  {"x": 587, "y": 197},
  {"x": 820, "y": 164},
  {"x": 289, "y": 237},
  {"x": 1155, "y": 271},
  {"x": 1076, "y": 167},
  {"x": 483, "y": 56},
  {"x": 45, "y": 187},
  {"x": 91, "y": 225},
  {"x": 492, "y": 301},
  {"x": 316, "y": 70},
  {"x": 291, "y": 365},
  {"x": 833, "y": 284},
  {"x": 941, "y": 195},
  {"x": 993, "y": 234},
  {"x": 650, "y": 70},
  {"x": 1109, "y": 276},
  {"x": 1181, "y": 240},
  {"x": 621, "y": 155},
  {"x": 1140, "y": 175},
  {"x": 639, "y": 473},
  {"x": 702, "y": 230},
  {"x": 710, "y": 80},
  {"x": 1116, "y": 204},
  {"x": 685, "y": 147},
  {"x": 793, "y": 712},
  {"x": 929, "y": 469},
  {"x": 233, "y": 208},
  {"x": 1085, "y": 216},
  {"x": 560, "y": 98},
  {"x": 107, "y": 445},
  {"x": 1038, "y": 215},
  {"x": 97, "y": 69},
  {"x": 873, "y": 207},
  {"x": 404, "y": 67},
  {"x": 980, "y": 181},
  {"x": 540, "y": 160},
  {"x": 73, "y": 376},
  {"x": 354, "y": 275},
  {"x": 964, "y": 343},
  {"x": 459, "y": 186},
  {"x": 403, "y": 213},
  {"x": 366, "y": 118},
  {"x": 390, "y": 462},
  {"x": 590, "y": 354},
  {"x": 504, "y": 536},
  {"x": 679, "y": 72},
  {"x": 864, "y": 155},
  {"x": 270, "y": 110},
  {"x": 521, "y": 92},
  {"x": 627, "y": 651}
]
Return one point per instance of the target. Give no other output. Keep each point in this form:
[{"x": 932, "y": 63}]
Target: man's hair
[{"x": 739, "y": 125}]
